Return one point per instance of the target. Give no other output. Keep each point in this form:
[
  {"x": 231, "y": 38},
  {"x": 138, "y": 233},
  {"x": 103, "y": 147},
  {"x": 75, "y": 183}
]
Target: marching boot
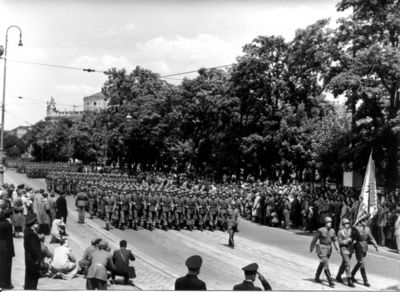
[
  {"x": 354, "y": 272},
  {"x": 178, "y": 227},
  {"x": 131, "y": 225},
  {"x": 328, "y": 275},
  {"x": 339, "y": 274},
  {"x": 364, "y": 276},
  {"x": 135, "y": 227},
  {"x": 201, "y": 228},
  {"x": 350, "y": 282},
  {"x": 91, "y": 216},
  {"x": 121, "y": 226},
  {"x": 107, "y": 226},
  {"x": 318, "y": 273}
]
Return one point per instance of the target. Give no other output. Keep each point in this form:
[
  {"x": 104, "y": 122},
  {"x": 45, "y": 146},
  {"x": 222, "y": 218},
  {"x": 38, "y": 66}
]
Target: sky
[{"x": 165, "y": 36}]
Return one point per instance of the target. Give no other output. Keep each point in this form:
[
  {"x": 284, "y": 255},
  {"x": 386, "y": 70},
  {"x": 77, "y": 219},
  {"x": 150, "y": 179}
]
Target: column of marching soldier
[{"x": 124, "y": 203}]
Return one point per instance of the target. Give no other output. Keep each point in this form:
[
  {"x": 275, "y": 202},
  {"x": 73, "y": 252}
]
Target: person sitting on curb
[
  {"x": 44, "y": 267},
  {"x": 99, "y": 266},
  {"x": 57, "y": 229},
  {"x": 250, "y": 273},
  {"x": 84, "y": 262},
  {"x": 63, "y": 263},
  {"x": 190, "y": 281},
  {"x": 121, "y": 262}
]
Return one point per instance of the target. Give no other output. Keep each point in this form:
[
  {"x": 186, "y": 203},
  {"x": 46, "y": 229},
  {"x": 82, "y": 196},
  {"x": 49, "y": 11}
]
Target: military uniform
[
  {"x": 179, "y": 210},
  {"x": 326, "y": 237},
  {"x": 346, "y": 251},
  {"x": 80, "y": 202},
  {"x": 362, "y": 236}
]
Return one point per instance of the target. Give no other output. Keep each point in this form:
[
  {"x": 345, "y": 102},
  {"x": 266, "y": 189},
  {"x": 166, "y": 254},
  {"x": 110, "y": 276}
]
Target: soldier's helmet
[
  {"x": 345, "y": 221},
  {"x": 328, "y": 219}
]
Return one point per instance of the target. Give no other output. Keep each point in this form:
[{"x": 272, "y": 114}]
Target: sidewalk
[{"x": 78, "y": 283}]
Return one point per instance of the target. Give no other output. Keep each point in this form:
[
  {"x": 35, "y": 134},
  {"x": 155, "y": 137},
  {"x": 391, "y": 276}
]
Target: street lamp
[{"x": 4, "y": 99}]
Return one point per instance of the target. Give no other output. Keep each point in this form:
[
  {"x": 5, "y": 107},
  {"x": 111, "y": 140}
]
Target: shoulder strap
[{"x": 123, "y": 257}]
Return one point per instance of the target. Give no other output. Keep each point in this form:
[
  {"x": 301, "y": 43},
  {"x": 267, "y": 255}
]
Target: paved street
[{"x": 283, "y": 256}]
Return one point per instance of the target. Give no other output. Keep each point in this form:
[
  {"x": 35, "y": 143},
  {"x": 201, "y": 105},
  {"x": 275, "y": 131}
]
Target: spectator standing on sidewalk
[
  {"x": 62, "y": 208},
  {"x": 33, "y": 253},
  {"x": 6, "y": 249},
  {"x": 190, "y": 281},
  {"x": 64, "y": 263},
  {"x": 100, "y": 263},
  {"x": 397, "y": 230},
  {"x": 43, "y": 215},
  {"x": 18, "y": 215},
  {"x": 52, "y": 206},
  {"x": 121, "y": 260}
]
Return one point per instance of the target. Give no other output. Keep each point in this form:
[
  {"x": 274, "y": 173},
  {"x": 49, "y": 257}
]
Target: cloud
[
  {"x": 202, "y": 51},
  {"x": 127, "y": 28},
  {"x": 79, "y": 89}
]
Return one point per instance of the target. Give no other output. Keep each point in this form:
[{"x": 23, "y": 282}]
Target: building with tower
[{"x": 95, "y": 102}]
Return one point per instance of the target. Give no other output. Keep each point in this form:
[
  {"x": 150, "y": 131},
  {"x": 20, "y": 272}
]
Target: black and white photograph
[{"x": 164, "y": 145}]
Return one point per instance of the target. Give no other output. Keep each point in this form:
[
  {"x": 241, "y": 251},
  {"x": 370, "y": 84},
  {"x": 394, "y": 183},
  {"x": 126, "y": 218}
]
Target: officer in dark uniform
[
  {"x": 213, "y": 211},
  {"x": 346, "y": 251},
  {"x": 326, "y": 236},
  {"x": 362, "y": 236},
  {"x": 250, "y": 273},
  {"x": 190, "y": 281}
]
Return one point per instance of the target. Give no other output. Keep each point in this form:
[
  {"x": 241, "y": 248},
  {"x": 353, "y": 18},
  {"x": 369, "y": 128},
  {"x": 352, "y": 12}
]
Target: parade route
[{"x": 283, "y": 256}]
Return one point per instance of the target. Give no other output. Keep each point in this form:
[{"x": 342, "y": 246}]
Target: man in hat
[
  {"x": 191, "y": 281},
  {"x": 346, "y": 250},
  {"x": 33, "y": 252},
  {"x": 326, "y": 235},
  {"x": 84, "y": 262},
  {"x": 250, "y": 273},
  {"x": 100, "y": 263},
  {"x": 362, "y": 236},
  {"x": 6, "y": 249}
]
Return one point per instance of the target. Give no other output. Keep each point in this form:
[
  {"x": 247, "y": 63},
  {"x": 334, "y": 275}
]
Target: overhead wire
[
  {"x": 100, "y": 71},
  {"x": 17, "y": 117}
]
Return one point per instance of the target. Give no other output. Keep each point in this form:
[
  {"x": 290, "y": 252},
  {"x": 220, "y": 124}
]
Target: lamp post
[{"x": 4, "y": 99}]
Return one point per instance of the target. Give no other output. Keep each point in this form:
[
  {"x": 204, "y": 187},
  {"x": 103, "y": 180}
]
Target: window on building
[
  {"x": 87, "y": 103},
  {"x": 94, "y": 103}
]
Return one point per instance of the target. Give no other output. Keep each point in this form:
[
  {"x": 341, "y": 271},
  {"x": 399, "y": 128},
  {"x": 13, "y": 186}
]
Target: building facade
[
  {"x": 20, "y": 131},
  {"x": 95, "y": 102}
]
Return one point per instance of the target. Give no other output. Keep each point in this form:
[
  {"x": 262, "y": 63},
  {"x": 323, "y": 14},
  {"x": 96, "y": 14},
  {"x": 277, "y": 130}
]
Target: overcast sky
[{"x": 164, "y": 36}]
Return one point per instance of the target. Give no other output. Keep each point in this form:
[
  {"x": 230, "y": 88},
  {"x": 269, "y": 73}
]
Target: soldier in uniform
[
  {"x": 233, "y": 221},
  {"x": 190, "y": 281},
  {"x": 80, "y": 202},
  {"x": 224, "y": 205},
  {"x": 346, "y": 250},
  {"x": 362, "y": 236},
  {"x": 202, "y": 205},
  {"x": 179, "y": 210},
  {"x": 117, "y": 209},
  {"x": 92, "y": 201},
  {"x": 326, "y": 235},
  {"x": 214, "y": 210},
  {"x": 153, "y": 202},
  {"x": 136, "y": 209},
  {"x": 166, "y": 203},
  {"x": 250, "y": 273},
  {"x": 126, "y": 206},
  {"x": 109, "y": 201},
  {"x": 190, "y": 209}
]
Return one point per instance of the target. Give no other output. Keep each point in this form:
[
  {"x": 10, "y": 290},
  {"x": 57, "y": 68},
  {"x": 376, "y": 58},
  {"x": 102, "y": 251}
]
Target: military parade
[{"x": 194, "y": 145}]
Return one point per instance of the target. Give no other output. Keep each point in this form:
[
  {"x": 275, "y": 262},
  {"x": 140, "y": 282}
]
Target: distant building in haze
[{"x": 95, "y": 102}]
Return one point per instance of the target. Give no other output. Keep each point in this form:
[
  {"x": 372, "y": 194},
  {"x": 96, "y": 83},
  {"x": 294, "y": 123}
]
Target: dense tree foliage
[{"x": 266, "y": 115}]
